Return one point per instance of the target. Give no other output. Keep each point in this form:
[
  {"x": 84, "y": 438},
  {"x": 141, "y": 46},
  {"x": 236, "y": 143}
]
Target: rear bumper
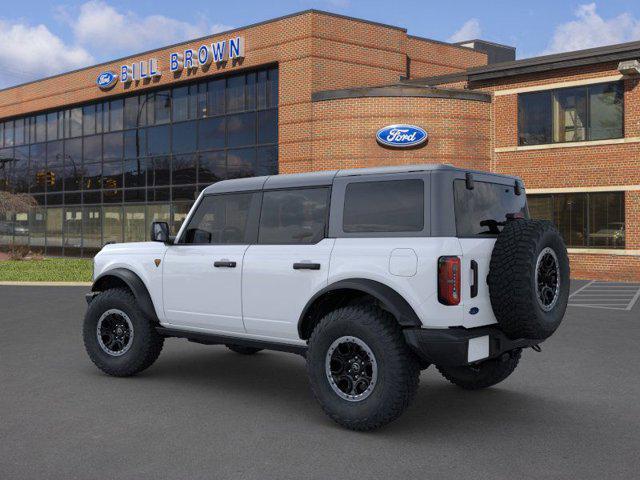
[{"x": 453, "y": 347}]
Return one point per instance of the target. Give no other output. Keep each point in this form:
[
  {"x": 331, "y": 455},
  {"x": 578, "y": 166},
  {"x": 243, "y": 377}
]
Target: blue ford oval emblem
[
  {"x": 401, "y": 136},
  {"x": 106, "y": 80}
]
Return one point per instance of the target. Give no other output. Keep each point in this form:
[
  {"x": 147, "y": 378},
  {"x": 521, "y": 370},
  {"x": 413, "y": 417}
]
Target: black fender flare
[
  {"x": 387, "y": 296},
  {"x": 135, "y": 284}
]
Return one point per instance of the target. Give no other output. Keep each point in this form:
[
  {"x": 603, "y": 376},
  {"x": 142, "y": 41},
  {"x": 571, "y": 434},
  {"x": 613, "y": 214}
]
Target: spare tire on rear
[{"x": 529, "y": 279}]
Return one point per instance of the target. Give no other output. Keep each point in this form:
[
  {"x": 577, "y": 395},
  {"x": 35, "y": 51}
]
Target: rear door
[
  {"x": 480, "y": 213},
  {"x": 202, "y": 273},
  {"x": 289, "y": 263}
]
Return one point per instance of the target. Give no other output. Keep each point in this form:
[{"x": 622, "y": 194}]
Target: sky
[{"x": 39, "y": 38}]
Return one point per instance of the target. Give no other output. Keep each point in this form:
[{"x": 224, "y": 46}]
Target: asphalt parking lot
[{"x": 572, "y": 411}]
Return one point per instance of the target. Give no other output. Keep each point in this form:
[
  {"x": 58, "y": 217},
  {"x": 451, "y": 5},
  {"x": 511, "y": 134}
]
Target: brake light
[{"x": 449, "y": 280}]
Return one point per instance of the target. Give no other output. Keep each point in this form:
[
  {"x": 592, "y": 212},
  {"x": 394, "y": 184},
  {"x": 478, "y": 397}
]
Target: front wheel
[
  {"x": 361, "y": 371},
  {"x": 118, "y": 338},
  {"x": 482, "y": 375}
]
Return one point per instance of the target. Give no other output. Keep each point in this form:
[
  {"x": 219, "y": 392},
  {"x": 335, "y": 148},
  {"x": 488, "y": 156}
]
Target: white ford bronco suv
[{"x": 370, "y": 274}]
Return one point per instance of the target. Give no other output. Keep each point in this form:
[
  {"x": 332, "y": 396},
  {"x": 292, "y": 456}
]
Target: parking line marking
[
  {"x": 582, "y": 288},
  {"x": 634, "y": 300}
]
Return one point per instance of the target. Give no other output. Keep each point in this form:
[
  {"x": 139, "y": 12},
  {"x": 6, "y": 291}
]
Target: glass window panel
[
  {"x": 135, "y": 143},
  {"x": 52, "y": 126},
  {"x": 570, "y": 115},
  {"x": 158, "y": 195},
  {"x": 37, "y": 168},
  {"x": 606, "y": 220},
  {"x": 55, "y": 167},
  {"x": 89, "y": 124},
  {"x": 75, "y": 122},
  {"x": 73, "y": 231},
  {"x": 92, "y": 229},
  {"x": 211, "y": 133},
  {"x": 241, "y": 163},
  {"x": 112, "y": 145},
  {"x": 135, "y": 195},
  {"x": 273, "y": 87},
  {"x": 606, "y": 111},
  {"x": 220, "y": 219},
  {"x": 131, "y": 112},
  {"x": 112, "y": 224},
  {"x": 41, "y": 128},
  {"x": 201, "y": 105},
  {"x": 6, "y": 166},
  {"x": 483, "y": 210},
  {"x": 73, "y": 164},
  {"x": 241, "y": 129},
  {"x": 6, "y": 228},
  {"x": 236, "y": 93},
  {"x": 534, "y": 118},
  {"x": 72, "y": 198},
  {"x": 92, "y": 173},
  {"x": 92, "y": 197},
  {"x": 390, "y": 206},
  {"x": 294, "y": 216},
  {"x": 21, "y": 228},
  {"x": 183, "y": 137},
  {"x": 112, "y": 175},
  {"x": 268, "y": 126},
  {"x": 541, "y": 207},
  {"x": 184, "y": 169},
  {"x": 135, "y": 172},
  {"x": 180, "y": 212},
  {"x": 37, "y": 227},
  {"x": 261, "y": 89},
  {"x": 102, "y": 120},
  {"x": 1, "y": 134},
  {"x": 250, "y": 91},
  {"x": 8, "y": 134},
  {"x": 158, "y": 140},
  {"x": 54, "y": 199},
  {"x": 267, "y": 161},
  {"x": 158, "y": 213},
  {"x": 212, "y": 167},
  {"x": 160, "y": 173},
  {"x": 215, "y": 97},
  {"x": 92, "y": 148},
  {"x": 193, "y": 101},
  {"x": 162, "y": 109},
  {"x": 116, "y": 115},
  {"x": 19, "y": 132},
  {"x": 571, "y": 215},
  {"x": 180, "y": 104},
  {"x": 54, "y": 230},
  {"x": 21, "y": 169},
  {"x": 134, "y": 223},
  {"x": 184, "y": 193},
  {"x": 112, "y": 196}
]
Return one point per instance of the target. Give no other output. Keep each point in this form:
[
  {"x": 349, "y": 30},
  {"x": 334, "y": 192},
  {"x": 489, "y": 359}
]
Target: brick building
[{"x": 106, "y": 150}]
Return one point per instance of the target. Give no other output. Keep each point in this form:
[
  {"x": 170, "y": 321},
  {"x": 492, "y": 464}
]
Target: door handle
[
  {"x": 306, "y": 266},
  {"x": 474, "y": 286},
  {"x": 224, "y": 264}
]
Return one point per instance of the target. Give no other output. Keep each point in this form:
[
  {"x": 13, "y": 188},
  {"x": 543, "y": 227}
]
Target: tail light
[{"x": 449, "y": 280}]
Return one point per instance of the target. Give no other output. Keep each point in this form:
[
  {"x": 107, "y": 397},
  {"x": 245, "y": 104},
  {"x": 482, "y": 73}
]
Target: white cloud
[
  {"x": 589, "y": 29},
  {"x": 107, "y": 31},
  {"x": 29, "y": 52},
  {"x": 469, "y": 31}
]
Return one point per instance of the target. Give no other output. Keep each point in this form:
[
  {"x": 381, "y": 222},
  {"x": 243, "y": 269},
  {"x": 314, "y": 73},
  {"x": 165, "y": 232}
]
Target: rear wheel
[
  {"x": 482, "y": 375},
  {"x": 118, "y": 338},
  {"x": 243, "y": 350},
  {"x": 361, "y": 371}
]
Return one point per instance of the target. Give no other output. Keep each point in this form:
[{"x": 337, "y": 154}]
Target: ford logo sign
[
  {"x": 106, "y": 80},
  {"x": 401, "y": 136}
]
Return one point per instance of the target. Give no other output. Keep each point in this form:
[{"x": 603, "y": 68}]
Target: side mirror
[{"x": 160, "y": 232}]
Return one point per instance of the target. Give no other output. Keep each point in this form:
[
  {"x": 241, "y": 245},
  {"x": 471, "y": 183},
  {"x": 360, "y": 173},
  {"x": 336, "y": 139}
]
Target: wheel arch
[
  {"x": 345, "y": 291},
  {"x": 123, "y": 277}
]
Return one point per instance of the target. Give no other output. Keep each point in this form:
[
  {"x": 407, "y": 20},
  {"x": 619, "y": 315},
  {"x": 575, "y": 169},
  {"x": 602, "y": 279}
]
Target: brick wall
[{"x": 429, "y": 58}]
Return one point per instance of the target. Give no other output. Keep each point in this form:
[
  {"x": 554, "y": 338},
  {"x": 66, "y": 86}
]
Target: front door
[
  {"x": 289, "y": 263},
  {"x": 202, "y": 274}
]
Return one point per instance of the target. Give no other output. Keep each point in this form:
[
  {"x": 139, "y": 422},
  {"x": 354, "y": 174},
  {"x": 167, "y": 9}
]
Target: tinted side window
[
  {"x": 391, "y": 206},
  {"x": 294, "y": 216},
  {"x": 220, "y": 219},
  {"x": 483, "y": 210}
]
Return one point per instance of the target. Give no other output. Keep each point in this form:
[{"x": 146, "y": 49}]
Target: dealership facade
[{"x": 108, "y": 149}]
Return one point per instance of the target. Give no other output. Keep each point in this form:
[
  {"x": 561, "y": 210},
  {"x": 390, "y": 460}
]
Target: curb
[{"x": 46, "y": 284}]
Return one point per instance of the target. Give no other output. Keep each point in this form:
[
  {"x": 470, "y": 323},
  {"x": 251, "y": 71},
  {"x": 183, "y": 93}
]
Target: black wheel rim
[
  {"x": 115, "y": 332},
  {"x": 547, "y": 279},
  {"x": 351, "y": 368}
]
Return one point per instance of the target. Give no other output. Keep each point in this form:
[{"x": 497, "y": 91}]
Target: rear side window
[
  {"x": 297, "y": 216},
  {"x": 220, "y": 219},
  {"x": 483, "y": 210},
  {"x": 391, "y": 206}
]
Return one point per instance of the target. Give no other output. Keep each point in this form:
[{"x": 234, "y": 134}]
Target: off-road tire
[
  {"x": 512, "y": 279},
  {"x": 398, "y": 368},
  {"x": 145, "y": 347},
  {"x": 482, "y": 375},
  {"x": 241, "y": 349}
]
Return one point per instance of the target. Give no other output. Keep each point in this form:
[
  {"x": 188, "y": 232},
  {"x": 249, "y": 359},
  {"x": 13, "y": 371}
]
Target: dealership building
[{"x": 108, "y": 149}]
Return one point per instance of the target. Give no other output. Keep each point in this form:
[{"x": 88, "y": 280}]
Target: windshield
[{"x": 483, "y": 210}]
